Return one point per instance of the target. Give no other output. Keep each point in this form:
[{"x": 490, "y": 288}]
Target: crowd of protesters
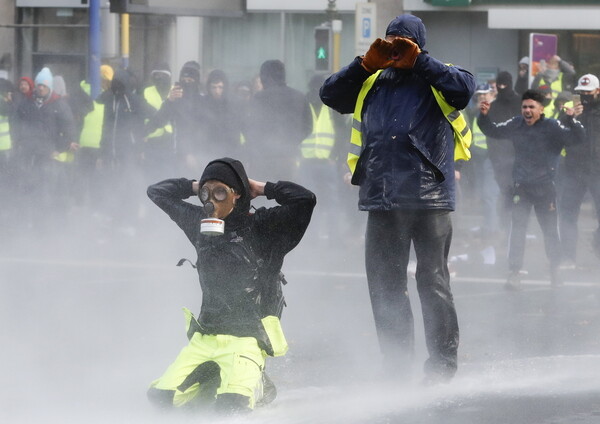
[
  {"x": 569, "y": 174},
  {"x": 67, "y": 157}
]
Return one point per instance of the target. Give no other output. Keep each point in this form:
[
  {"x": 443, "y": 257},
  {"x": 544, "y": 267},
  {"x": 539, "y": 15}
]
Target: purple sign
[{"x": 541, "y": 48}]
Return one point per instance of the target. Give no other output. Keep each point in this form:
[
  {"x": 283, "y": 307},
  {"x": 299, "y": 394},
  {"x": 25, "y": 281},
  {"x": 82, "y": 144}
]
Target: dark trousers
[
  {"x": 388, "y": 240},
  {"x": 542, "y": 197},
  {"x": 572, "y": 192}
]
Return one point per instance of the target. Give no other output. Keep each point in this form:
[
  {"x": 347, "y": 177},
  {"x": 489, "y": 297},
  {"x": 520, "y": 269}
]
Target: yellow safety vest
[
  {"x": 556, "y": 87},
  {"x": 479, "y": 138},
  {"x": 153, "y": 98},
  {"x": 462, "y": 133},
  {"x": 319, "y": 144},
  {"x": 91, "y": 132},
  {"x": 5, "y": 140}
]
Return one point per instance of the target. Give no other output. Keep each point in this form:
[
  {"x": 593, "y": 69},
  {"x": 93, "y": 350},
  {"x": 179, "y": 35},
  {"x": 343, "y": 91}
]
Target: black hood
[
  {"x": 122, "y": 83},
  {"x": 408, "y": 26},
  {"x": 242, "y": 206}
]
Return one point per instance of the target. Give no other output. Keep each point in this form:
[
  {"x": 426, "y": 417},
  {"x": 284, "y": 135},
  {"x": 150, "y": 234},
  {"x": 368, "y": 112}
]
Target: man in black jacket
[
  {"x": 502, "y": 153},
  {"x": 185, "y": 109},
  {"x": 279, "y": 119},
  {"x": 581, "y": 171},
  {"x": 240, "y": 276},
  {"x": 538, "y": 142}
]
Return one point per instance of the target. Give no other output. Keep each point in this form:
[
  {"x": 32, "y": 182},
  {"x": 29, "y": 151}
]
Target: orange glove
[
  {"x": 404, "y": 53},
  {"x": 378, "y": 56}
]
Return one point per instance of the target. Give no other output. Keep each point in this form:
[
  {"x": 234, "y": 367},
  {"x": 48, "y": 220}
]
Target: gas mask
[{"x": 219, "y": 201}]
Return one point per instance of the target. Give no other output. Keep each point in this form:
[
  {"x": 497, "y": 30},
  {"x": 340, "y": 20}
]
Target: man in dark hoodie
[
  {"x": 121, "y": 147},
  {"x": 224, "y": 119},
  {"x": 185, "y": 110},
  {"x": 402, "y": 157},
  {"x": 502, "y": 153},
  {"x": 279, "y": 119},
  {"x": 240, "y": 256}
]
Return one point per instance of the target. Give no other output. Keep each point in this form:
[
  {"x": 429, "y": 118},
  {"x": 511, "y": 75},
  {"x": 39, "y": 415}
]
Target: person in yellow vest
[
  {"x": 406, "y": 114},
  {"x": 159, "y": 148},
  {"x": 89, "y": 142},
  {"x": 485, "y": 189},
  {"x": 7, "y": 177},
  {"x": 558, "y": 75},
  {"x": 318, "y": 162}
]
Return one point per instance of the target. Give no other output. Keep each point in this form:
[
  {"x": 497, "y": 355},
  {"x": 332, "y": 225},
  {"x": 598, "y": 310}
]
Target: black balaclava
[
  {"x": 161, "y": 78},
  {"x": 190, "y": 69}
]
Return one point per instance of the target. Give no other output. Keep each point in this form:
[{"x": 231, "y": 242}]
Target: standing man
[
  {"x": 581, "y": 172},
  {"x": 241, "y": 280},
  {"x": 538, "y": 142},
  {"x": 403, "y": 160},
  {"x": 279, "y": 119}
]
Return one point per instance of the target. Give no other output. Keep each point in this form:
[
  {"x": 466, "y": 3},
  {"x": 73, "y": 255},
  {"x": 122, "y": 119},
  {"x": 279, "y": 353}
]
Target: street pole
[
  {"x": 94, "y": 48},
  {"x": 336, "y": 29},
  {"x": 125, "y": 40}
]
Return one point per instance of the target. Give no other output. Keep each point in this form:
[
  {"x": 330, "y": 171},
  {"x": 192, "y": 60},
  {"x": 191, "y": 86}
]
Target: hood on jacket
[
  {"x": 45, "y": 77},
  {"x": 30, "y": 83},
  {"x": 122, "y": 83},
  {"x": 272, "y": 73},
  {"x": 242, "y": 206},
  {"x": 190, "y": 69},
  {"x": 408, "y": 26}
]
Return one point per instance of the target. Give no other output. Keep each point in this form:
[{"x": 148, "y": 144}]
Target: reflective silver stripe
[
  {"x": 454, "y": 115},
  {"x": 357, "y": 125},
  {"x": 354, "y": 149},
  {"x": 465, "y": 131},
  {"x": 2, "y": 134}
]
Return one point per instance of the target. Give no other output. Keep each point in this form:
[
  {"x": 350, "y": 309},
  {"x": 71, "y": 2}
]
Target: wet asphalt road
[{"x": 87, "y": 324}]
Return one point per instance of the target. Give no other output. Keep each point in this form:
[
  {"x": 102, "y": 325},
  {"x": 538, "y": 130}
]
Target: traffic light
[{"x": 323, "y": 48}]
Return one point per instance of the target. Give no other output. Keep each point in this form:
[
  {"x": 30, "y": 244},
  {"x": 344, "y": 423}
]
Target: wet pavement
[{"x": 87, "y": 324}]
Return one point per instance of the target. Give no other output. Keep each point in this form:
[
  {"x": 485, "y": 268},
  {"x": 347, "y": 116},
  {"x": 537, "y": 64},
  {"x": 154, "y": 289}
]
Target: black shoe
[{"x": 513, "y": 283}]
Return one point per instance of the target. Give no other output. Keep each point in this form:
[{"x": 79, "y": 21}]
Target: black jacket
[
  {"x": 44, "y": 128},
  {"x": 537, "y": 146},
  {"x": 124, "y": 115},
  {"x": 240, "y": 272},
  {"x": 583, "y": 159}
]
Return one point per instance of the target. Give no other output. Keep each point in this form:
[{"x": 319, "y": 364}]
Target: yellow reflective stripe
[
  {"x": 462, "y": 133},
  {"x": 479, "y": 138},
  {"x": 5, "y": 140},
  {"x": 65, "y": 157},
  {"x": 356, "y": 132}
]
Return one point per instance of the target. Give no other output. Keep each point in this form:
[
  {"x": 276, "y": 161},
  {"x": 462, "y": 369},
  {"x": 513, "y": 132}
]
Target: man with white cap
[{"x": 581, "y": 171}]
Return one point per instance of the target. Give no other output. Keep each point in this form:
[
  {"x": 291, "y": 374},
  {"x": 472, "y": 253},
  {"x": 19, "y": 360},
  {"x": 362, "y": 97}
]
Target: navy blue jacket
[
  {"x": 407, "y": 161},
  {"x": 537, "y": 146}
]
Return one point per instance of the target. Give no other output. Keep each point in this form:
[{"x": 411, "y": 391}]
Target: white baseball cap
[{"x": 588, "y": 82}]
